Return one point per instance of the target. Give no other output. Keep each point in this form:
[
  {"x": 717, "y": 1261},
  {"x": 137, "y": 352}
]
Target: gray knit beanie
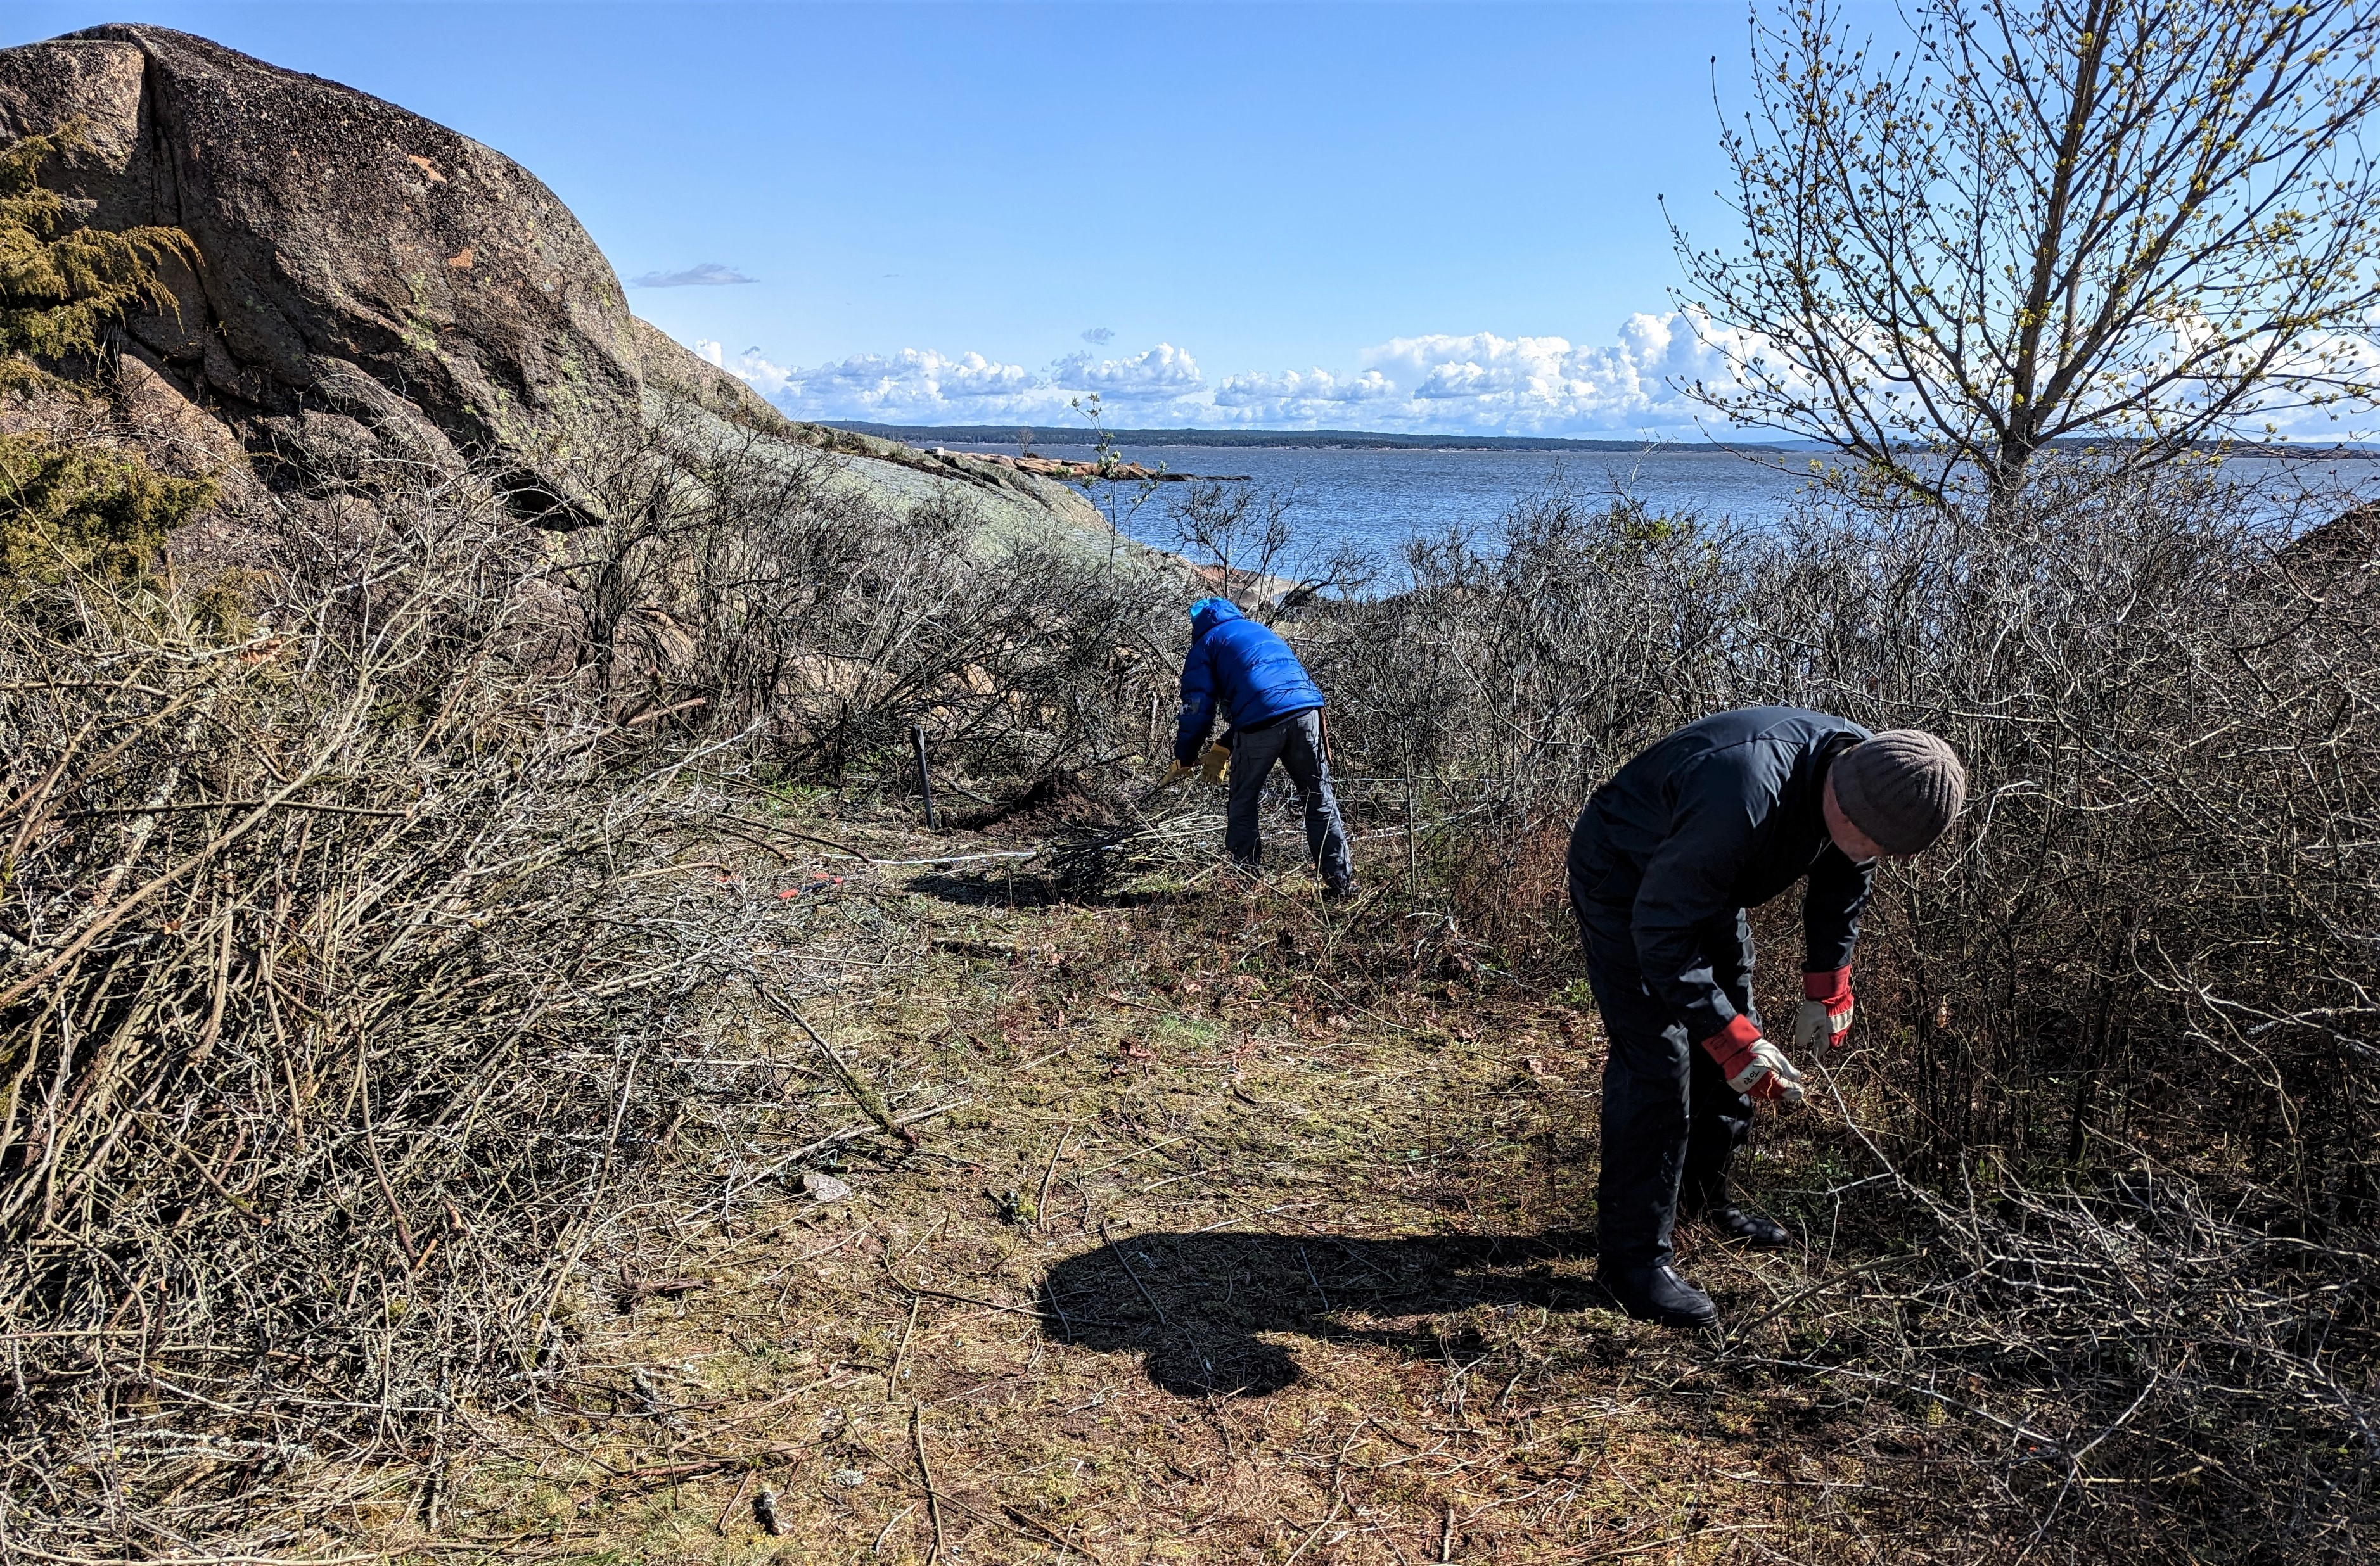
[{"x": 1901, "y": 788}]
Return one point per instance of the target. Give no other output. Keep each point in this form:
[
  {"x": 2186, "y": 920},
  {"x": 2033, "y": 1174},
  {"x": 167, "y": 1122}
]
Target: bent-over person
[
  {"x": 1241, "y": 668},
  {"x": 1717, "y": 817}
]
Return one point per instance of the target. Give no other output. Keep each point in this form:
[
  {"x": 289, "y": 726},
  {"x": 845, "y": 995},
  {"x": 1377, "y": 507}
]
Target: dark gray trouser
[
  {"x": 1671, "y": 1124},
  {"x": 1296, "y": 744}
]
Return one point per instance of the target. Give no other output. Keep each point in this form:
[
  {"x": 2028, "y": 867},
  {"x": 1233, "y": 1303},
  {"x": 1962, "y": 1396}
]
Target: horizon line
[{"x": 1240, "y": 435}]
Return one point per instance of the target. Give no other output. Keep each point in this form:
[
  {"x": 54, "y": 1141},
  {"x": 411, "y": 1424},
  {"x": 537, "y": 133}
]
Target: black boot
[
  {"x": 1657, "y": 1294},
  {"x": 1750, "y": 1228}
]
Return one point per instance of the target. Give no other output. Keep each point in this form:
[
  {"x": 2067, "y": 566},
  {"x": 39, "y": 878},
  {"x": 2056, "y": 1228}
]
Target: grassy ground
[{"x": 1259, "y": 1230}]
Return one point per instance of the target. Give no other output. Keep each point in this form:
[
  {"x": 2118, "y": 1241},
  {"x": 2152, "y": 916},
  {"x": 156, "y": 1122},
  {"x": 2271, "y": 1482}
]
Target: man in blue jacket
[
  {"x": 1276, "y": 715},
  {"x": 1717, "y": 817}
]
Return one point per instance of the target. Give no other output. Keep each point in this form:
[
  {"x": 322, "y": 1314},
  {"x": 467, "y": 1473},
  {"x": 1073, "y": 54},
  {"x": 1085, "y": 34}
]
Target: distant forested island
[
  {"x": 1080, "y": 435},
  {"x": 1007, "y": 435}
]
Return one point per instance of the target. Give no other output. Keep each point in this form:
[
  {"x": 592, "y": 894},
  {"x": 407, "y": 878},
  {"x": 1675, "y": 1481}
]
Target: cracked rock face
[{"x": 369, "y": 281}]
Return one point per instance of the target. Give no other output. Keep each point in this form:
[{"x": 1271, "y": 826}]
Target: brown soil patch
[{"x": 1256, "y": 1236}]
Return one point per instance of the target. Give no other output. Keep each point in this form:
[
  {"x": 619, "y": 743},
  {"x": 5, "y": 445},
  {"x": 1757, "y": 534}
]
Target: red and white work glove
[
  {"x": 1827, "y": 1014},
  {"x": 1753, "y": 1065}
]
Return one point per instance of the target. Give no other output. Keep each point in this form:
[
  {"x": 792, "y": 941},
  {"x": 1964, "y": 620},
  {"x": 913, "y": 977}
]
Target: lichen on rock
[
  {"x": 332, "y": 280},
  {"x": 321, "y": 223}
]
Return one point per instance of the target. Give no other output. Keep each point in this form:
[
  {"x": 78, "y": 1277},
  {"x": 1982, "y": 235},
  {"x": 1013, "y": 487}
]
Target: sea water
[{"x": 1378, "y": 499}]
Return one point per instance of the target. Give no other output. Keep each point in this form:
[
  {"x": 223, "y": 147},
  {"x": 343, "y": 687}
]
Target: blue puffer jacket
[{"x": 1245, "y": 668}]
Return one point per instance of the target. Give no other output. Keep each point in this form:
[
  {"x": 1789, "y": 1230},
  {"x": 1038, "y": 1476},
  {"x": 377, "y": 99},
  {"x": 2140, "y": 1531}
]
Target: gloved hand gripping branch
[
  {"x": 1753, "y": 1065},
  {"x": 1215, "y": 766},
  {"x": 1828, "y": 1013}
]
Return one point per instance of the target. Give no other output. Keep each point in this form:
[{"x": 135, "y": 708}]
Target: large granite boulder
[
  {"x": 367, "y": 276},
  {"x": 372, "y": 283}
]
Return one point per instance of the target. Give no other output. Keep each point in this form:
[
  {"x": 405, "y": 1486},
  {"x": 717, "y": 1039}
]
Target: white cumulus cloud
[
  {"x": 1548, "y": 386},
  {"x": 1482, "y": 383},
  {"x": 913, "y": 386},
  {"x": 1303, "y": 388},
  {"x": 921, "y": 386},
  {"x": 1163, "y": 370}
]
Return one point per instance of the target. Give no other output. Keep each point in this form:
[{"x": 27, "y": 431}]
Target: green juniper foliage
[
  {"x": 61, "y": 282},
  {"x": 86, "y": 510},
  {"x": 72, "y": 509}
]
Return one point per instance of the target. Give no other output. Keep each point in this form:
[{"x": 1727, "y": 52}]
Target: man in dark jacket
[
  {"x": 1276, "y": 715},
  {"x": 1720, "y": 817}
]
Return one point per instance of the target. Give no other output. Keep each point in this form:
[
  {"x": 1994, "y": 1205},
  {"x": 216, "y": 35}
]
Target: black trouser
[
  {"x": 1296, "y": 743},
  {"x": 1671, "y": 1123}
]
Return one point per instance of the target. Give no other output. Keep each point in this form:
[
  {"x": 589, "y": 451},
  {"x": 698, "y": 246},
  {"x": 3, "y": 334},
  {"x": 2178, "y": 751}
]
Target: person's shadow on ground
[{"x": 1194, "y": 1302}]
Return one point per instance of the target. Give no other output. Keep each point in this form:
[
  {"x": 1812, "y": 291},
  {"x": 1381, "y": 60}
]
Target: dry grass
[
  {"x": 1258, "y": 1237},
  {"x": 1193, "y": 1221}
]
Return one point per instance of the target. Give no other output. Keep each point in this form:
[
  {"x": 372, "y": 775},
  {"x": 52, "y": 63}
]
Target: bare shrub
[
  {"x": 1238, "y": 535},
  {"x": 765, "y": 581},
  {"x": 1539, "y": 654},
  {"x": 1242, "y": 541},
  {"x": 2131, "y": 1357},
  {"x": 2141, "y": 963},
  {"x": 1519, "y": 667},
  {"x": 332, "y": 1028},
  {"x": 2154, "y": 927},
  {"x": 347, "y": 998}
]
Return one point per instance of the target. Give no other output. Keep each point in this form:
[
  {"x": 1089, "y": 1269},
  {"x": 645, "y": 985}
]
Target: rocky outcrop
[
  {"x": 372, "y": 283},
  {"x": 367, "y": 276},
  {"x": 1063, "y": 467},
  {"x": 666, "y": 367},
  {"x": 2340, "y": 559}
]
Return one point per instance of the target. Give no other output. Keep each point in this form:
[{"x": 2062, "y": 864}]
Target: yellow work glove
[
  {"x": 1216, "y": 765},
  {"x": 1180, "y": 769}
]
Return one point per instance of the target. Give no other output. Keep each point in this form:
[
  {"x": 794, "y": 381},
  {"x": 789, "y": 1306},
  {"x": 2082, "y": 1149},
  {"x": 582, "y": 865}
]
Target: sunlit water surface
[{"x": 1380, "y": 498}]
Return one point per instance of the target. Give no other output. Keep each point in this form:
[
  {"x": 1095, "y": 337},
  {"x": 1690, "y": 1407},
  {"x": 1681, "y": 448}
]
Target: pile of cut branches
[{"x": 1085, "y": 864}]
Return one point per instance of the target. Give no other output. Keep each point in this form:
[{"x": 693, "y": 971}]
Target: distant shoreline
[
  {"x": 923, "y": 435},
  {"x": 1314, "y": 440}
]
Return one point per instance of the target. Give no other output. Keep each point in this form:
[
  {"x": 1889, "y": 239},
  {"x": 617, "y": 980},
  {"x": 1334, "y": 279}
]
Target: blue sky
[{"x": 1369, "y": 215}]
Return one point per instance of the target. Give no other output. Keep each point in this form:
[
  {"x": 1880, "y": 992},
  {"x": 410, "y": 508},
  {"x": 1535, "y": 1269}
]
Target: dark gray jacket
[{"x": 1721, "y": 816}]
